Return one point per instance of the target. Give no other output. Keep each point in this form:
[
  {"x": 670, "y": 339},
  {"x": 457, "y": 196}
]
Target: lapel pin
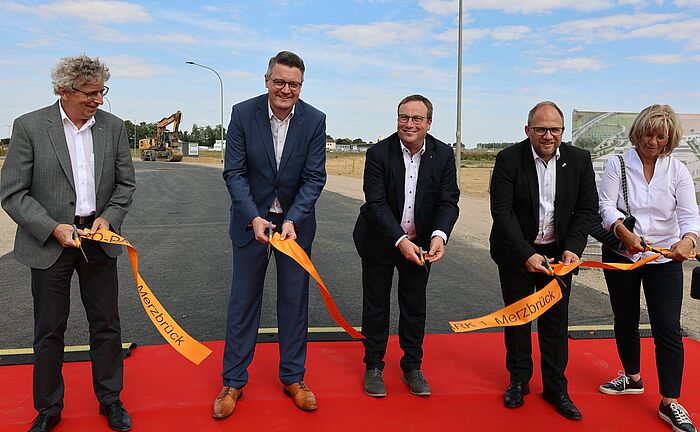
[{"x": 563, "y": 165}]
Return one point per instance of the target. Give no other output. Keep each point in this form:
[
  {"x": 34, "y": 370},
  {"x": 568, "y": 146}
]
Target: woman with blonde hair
[{"x": 661, "y": 197}]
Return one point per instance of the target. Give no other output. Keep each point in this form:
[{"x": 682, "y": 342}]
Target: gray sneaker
[
  {"x": 417, "y": 383},
  {"x": 374, "y": 383}
]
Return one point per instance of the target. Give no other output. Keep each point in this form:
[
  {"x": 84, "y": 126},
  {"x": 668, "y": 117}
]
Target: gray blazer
[{"x": 36, "y": 185}]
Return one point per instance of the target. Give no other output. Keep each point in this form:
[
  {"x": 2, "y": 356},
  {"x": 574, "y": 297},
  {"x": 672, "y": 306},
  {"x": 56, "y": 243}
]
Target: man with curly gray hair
[{"x": 69, "y": 170}]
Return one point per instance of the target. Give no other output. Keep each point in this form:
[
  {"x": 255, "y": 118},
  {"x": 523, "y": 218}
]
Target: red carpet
[{"x": 164, "y": 392}]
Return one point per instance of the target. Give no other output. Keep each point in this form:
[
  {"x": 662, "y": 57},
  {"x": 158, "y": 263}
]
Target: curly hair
[
  {"x": 76, "y": 71},
  {"x": 657, "y": 118}
]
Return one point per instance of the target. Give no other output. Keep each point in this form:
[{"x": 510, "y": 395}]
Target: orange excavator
[{"x": 165, "y": 145}]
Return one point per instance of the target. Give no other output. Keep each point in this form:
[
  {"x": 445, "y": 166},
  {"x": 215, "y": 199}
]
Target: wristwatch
[
  {"x": 290, "y": 221},
  {"x": 692, "y": 240}
]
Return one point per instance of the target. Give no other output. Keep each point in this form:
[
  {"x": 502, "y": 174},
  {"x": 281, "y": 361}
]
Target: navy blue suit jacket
[{"x": 251, "y": 174}]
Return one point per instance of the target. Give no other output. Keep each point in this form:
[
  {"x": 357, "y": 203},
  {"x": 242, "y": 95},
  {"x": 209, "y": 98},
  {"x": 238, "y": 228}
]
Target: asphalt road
[{"x": 179, "y": 223}]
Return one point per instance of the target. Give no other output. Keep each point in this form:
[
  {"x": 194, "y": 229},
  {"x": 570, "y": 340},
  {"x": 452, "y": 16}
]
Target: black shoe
[
  {"x": 621, "y": 385},
  {"x": 513, "y": 398},
  {"x": 563, "y": 404},
  {"x": 675, "y": 415},
  {"x": 417, "y": 383},
  {"x": 44, "y": 423},
  {"x": 117, "y": 417},
  {"x": 374, "y": 383}
]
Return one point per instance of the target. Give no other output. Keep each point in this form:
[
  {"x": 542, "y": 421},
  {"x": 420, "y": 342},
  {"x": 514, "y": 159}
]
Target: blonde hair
[{"x": 657, "y": 118}]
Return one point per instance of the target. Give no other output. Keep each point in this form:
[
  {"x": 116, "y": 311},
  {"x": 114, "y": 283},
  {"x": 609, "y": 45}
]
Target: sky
[{"x": 362, "y": 57}]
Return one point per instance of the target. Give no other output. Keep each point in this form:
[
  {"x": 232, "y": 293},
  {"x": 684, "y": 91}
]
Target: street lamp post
[
  {"x": 458, "y": 143},
  {"x": 221, "y": 83},
  {"x": 109, "y": 104}
]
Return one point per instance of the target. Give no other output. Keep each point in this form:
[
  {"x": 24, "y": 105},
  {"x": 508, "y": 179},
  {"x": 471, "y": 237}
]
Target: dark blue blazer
[{"x": 251, "y": 173}]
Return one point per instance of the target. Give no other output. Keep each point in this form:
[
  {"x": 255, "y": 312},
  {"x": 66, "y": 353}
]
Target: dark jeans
[
  {"x": 663, "y": 290},
  {"x": 99, "y": 293},
  {"x": 516, "y": 284}
]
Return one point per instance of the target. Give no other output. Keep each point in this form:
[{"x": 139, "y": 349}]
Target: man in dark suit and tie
[
  {"x": 274, "y": 172},
  {"x": 543, "y": 204},
  {"x": 69, "y": 165},
  {"x": 410, "y": 207}
]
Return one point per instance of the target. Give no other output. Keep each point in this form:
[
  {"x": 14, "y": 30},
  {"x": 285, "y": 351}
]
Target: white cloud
[
  {"x": 450, "y": 7},
  {"x": 239, "y": 74},
  {"x": 469, "y": 35},
  {"x": 575, "y": 64},
  {"x": 666, "y": 58},
  {"x": 134, "y": 67},
  {"x": 609, "y": 28},
  {"x": 371, "y": 35},
  {"x": 173, "y": 38},
  {"x": 102, "y": 11},
  {"x": 687, "y": 3}
]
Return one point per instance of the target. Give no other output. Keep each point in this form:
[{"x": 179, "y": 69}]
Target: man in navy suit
[{"x": 274, "y": 172}]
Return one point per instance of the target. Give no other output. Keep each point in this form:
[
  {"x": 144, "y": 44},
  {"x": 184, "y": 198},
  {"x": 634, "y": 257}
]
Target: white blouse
[{"x": 665, "y": 208}]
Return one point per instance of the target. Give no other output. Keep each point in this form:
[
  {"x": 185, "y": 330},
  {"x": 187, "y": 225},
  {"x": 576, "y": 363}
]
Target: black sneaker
[
  {"x": 623, "y": 384},
  {"x": 417, "y": 383},
  {"x": 675, "y": 415},
  {"x": 374, "y": 383}
]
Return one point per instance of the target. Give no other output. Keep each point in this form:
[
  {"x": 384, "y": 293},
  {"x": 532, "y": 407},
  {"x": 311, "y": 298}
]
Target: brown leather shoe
[
  {"x": 225, "y": 402},
  {"x": 304, "y": 398}
]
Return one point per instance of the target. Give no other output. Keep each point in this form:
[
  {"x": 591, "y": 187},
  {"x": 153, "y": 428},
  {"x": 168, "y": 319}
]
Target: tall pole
[
  {"x": 458, "y": 142},
  {"x": 221, "y": 83}
]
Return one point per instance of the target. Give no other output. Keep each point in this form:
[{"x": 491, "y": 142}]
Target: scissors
[
  {"x": 76, "y": 238},
  {"x": 422, "y": 259},
  {"x": 551, "y": 272},
  {"x": 269, "y": 236}
]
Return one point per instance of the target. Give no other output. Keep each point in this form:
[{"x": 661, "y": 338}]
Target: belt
[{"x": 84, "y": 220}]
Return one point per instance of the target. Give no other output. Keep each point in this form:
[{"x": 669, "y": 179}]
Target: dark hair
[
  {"x": 540, "y": 105},
  {"x": 286, "y": 58},
  {"x": 419, "y": 98}
]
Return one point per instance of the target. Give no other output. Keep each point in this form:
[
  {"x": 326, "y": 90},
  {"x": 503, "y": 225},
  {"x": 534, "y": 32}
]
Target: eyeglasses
[
  {"x": 661, "y": 139},
  {"x": 293, "y": 85},
  {"x": 542, "y": 131},
  {"x": 95, "y": 94},
  {"x": 403, "y": 118}
]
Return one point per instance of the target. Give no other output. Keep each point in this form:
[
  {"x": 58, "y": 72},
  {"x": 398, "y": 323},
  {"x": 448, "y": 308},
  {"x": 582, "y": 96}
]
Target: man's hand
[
  {"x": 288, "y": 231},
  {"x": 64, "y": 234},
  {"x": 260, "y": 227},
  {"x": 437, "y": 250},
  {"x": 569, "y": 257},
  {"x": 536, "y": 264},
  {"x": 410, "y": 251},
  {"x": 680, "y": 250},
  {"x": 97, "y": 224}
]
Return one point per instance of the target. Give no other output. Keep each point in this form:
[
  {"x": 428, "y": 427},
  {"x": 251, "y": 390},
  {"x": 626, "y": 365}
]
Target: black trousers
[
  {"x": 663, "y": 290},
  {"x": 376, "y": 299},
  {"x": 552, "y": 326},
  {"x": 98, "y": 291}
]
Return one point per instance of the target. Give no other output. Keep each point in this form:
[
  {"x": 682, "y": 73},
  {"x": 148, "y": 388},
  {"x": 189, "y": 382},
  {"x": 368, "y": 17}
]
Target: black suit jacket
[
  {"x": 379, "y": 223},
  {"x": 515, "y": 203}
]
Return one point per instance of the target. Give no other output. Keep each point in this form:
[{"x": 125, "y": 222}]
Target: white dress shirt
[
  {"x": 82, "y": 160},
  {"x": 408, "y": 222},
  {"x": 279, "y": 136},
  {"x": 665, "y": 208},
  {"x": 547, "y": 183}
]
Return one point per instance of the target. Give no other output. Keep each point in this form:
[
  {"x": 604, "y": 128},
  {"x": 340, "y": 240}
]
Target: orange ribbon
[
  {"x": 292, "y": 249},
  {"x": 186, "y": 345},
  {"x": 529, "y": 308}
]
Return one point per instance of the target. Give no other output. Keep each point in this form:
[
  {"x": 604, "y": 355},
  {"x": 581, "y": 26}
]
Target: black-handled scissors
[
  {"x": 269, "y": 237},
  {"x": 76, "y": 238},
  {"x": 551, "y": 272}
]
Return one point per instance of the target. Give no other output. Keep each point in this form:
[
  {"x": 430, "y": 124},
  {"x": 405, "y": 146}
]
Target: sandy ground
[{"x": 473, "y": 225}]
